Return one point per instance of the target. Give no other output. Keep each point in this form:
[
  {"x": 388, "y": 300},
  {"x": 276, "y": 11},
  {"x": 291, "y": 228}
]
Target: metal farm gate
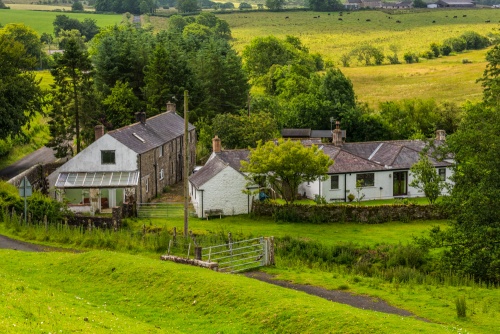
[
  {"x": 160, "y": 210},
  {"x": 241, "y": 255}
]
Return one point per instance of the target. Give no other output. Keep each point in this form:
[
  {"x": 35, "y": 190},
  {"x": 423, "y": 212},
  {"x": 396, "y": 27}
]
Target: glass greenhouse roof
[{"x": 97, "y": 179}]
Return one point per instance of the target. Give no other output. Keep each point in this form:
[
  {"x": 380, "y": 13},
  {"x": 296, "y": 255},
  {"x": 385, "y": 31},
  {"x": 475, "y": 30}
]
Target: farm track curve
[{"x": 362, "y": 302}]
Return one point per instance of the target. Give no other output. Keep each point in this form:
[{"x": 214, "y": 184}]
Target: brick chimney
[
  {"x": 440, "y": 135},
  {"x": 216, "y": 144},
  {"x": 98, "y": 131},
  {"x": 337, "y": 135},
  {"x": 142, "y": 117},
  {"x": 171, "y": 107}
]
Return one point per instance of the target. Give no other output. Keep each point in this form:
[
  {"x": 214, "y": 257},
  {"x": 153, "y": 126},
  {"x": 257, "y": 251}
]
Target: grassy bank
[{"x": 100, "y": 292}]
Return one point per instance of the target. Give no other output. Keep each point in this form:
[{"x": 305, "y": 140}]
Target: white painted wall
[
  {"x": 224, "y": 191},
  {"x": 383, "y": 188},
  {"x": 89, "y": 160}
]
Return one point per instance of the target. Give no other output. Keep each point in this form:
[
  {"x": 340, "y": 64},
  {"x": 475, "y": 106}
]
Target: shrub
[
  {"x": 245, "y": 5},
  {"x": 475, "y": 41},
  {"x": 410, "y": 58},
  {"x": 446, "y": 50},
  {"x": 436, "y": 49},
  {"x": 466, "y": 61},
  {"x": 457, "y": 44},
  {"x": 351, "y": 197}
]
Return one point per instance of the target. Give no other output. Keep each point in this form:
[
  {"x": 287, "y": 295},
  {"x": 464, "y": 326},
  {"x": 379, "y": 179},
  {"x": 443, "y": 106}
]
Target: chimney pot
[
  {"x": 171, "y": 107},
  {"x": 143, "y": 117},
  {"x": 216, "y": 144}
]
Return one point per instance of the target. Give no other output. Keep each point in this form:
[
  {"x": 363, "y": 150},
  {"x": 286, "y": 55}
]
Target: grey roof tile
[{"x": 157, "y": 130}]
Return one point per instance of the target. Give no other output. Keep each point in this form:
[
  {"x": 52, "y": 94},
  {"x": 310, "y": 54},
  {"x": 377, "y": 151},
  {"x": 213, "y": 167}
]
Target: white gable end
[{"x": 89, "y": 160}]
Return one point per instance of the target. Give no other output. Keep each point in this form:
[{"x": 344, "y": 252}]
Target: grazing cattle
[
  {"x": 455, "y": 17},
  {"x": 433, "y": 21},
  {"x": 340, "y": 19},
  {"x": 315, "y": 17},
  {"x": 328, "y": 14},
  {"x": 464, "y": 15},
  {"x": 368, "y": 20},
  {"x": 286, "y": 17},
  {"x": 487, "y": 21},
  {"x": 398, "y": 21}
]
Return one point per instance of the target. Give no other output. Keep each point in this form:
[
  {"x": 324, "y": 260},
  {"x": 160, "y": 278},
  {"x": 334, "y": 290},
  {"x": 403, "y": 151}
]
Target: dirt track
[{"x": 362, "y": 302}]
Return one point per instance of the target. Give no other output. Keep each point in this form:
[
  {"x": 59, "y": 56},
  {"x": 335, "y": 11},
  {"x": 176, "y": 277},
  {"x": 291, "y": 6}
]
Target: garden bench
[{"x": 214, "y": 212}]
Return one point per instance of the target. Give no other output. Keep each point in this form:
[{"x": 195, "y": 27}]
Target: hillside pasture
[
  {"x": 330, "y": 37},
  {"x": 41, "y": 21},
  {"x": 99, "y": 292}
]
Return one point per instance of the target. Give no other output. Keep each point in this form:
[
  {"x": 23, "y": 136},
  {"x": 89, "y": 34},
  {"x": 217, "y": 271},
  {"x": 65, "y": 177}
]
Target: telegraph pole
[{"x": 185, "y": 169}]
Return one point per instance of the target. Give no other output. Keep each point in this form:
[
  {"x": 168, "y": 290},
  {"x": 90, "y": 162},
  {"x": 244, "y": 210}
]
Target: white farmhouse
[
  {"x": 133, "y": 163},
  {"x": 382, "y": 168},
  {"x": 219, "y": 186}
]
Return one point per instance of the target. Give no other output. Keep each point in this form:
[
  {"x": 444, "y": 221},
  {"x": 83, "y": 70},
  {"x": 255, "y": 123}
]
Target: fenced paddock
[{"x": 160, "y": 210}]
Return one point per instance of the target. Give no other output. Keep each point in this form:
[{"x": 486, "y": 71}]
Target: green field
[{"x": 42, "y": 21}]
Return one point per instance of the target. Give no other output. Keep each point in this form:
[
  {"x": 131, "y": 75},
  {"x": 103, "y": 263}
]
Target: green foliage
[
  {"x": 20, "y": 94},
  {"x": 419, "y": 4},
  {"x": 368, "y": 54},
  {"x": 325, "y": 5},
  {"x": 287, "y": 164},
  {"x": 244, "y": 5},
  {"x": 28, "y": 38},
  {"x": 71, "y": 99},
  {"x": 275, "y": 5},
  {"x": 41, "y": 207},
  {"x": 410, "y": 57},
  {"x": 244, "y": 131},
  {"x": 87, "y": 28},
  {"x": 490, "y": 81},
  {"x": 426, "y": 179},
  {"x": 457, "y": 44},
  {"x": 120, "y": 106},
  {"x": 436, "y": 49},
  {"x": 77, "y": 6},
  {"x": 9, "y": 198},
  {"x": 407, "y": 118},
  {"x": 187, "y": 6}
]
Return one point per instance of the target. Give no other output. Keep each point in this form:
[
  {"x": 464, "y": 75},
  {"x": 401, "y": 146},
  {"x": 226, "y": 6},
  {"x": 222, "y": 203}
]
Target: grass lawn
[
  {"x": 42, "y": 21},
  {"x": 100, "y": 292}
]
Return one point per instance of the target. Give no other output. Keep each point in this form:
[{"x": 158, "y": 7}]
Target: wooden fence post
[{"x": 197, "y": 252}]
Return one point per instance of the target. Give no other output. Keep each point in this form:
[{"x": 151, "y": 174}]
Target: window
[
  {"x": 161, "y": 174},
  {"x": 334, "y": 182},
  {"x": 365, "y": 180},
  {"x": 160, "y": 151},
  {"x": 147, "y": 185},
  {"x": 107, "y": 157},
  {"x": 442, "y": 174}
]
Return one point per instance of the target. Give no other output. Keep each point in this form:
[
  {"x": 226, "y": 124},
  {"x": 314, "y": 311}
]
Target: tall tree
[
  {"x": 491, "y": 77},
  {"x": 187, "y": 6},
  {"x": 120, "y": 106},
  {"x": 72, "y": 74},
  {"x": 167, "y": 75},
  {"x": 20, "y": 94},
  {"x": 121, "y": 53},
  {"x": 287, "y": 164},
  {"x": 221, "y": 76},
  {"x": 275, "y": 5}
]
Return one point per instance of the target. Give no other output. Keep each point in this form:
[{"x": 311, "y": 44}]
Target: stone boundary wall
[
  {"x": 335, "y": 213},
  {"x": 103, "y": 222}
]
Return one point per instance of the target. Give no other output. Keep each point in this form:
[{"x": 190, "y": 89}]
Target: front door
[{"x": 400, "y": 183}]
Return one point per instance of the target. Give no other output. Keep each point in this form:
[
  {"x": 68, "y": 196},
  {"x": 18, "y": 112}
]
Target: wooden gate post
[{"x": 197, "y": 252}]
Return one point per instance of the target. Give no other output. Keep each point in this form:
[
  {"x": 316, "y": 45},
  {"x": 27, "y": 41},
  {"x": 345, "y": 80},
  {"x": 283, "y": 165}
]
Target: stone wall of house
[
  {"x": 37, "y": 176},
  {"x": 153, "y": 162},
  {"x": 349, "y": 213}
]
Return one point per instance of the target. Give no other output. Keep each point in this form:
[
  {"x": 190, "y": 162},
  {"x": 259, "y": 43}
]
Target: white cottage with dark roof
[
  {"x": 381, "y": 168},
  {"x": 219, "y": 186},
  {"x": 135, "y": 163}
]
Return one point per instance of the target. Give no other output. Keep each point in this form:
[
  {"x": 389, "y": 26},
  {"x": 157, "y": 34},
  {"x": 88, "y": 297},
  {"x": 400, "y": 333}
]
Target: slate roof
[
  {"x": 217, "y": 163},
  {"x": 348, "y": 158},
  {"x": 381, "y": 155},
  {"x": 157, "y": 130}
]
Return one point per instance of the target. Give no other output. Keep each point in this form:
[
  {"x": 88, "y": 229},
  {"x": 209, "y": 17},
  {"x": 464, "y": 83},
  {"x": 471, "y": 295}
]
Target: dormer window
[
  {"x": 160, "y": 151},
  {"x": 108, "y": 157}
]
